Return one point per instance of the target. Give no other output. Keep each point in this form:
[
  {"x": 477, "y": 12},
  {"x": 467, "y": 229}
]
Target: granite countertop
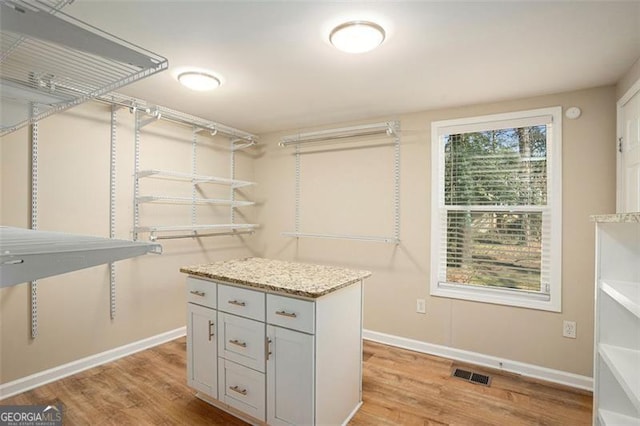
[
  {"x": 299, "y": 279},
  {"x": 617, "y": 218}
]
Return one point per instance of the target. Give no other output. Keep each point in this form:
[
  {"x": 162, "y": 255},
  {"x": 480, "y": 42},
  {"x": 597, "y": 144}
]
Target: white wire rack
[
  {"x": 189, "y": 200},
  {"x": 27, "y": 255},
  {"x": 195, "y": 178},
  {"x": 55, "y": 61}
]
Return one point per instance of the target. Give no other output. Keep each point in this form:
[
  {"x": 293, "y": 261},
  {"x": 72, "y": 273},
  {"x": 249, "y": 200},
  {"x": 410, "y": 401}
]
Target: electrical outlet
[
  {"x": 421, "y": 306},
  {"x": 569, "y": 329}
]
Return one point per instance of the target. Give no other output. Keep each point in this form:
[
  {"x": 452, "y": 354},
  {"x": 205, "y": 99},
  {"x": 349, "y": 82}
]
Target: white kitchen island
[{"x": 276, "y": 342}]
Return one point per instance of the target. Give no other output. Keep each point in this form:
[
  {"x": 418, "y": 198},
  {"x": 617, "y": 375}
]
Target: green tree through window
[{"x": 490, "y": 178}]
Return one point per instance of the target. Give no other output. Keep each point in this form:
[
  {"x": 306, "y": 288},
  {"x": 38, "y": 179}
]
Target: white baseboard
[
  {"x": 38, "y": 379},
  {"x": 524, "y": 369}
]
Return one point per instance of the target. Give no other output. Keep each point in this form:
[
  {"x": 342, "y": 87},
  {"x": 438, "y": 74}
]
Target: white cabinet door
[
  {"x": 629, "y": 158},
  {"x": 290, "y": 373},
  {"x": 202, "y": 364}
]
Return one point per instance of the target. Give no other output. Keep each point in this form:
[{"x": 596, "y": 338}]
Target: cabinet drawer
[
  {"x": 240, "y": 301},
  {"x": 242, "y": 340},
  {"x": 201, "y": 292},
  {"x": 291, "y": 313},
  {"x": 242, "y": 388}
]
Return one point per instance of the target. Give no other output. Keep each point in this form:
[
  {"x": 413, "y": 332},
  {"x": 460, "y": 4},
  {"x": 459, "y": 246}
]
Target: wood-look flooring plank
[{"x": 400, "y": 387}]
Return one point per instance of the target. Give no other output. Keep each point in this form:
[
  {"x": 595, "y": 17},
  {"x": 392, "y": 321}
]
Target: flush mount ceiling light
[
  {"x": 197, "y": 80},
  {"x": 357, "y": 36}
]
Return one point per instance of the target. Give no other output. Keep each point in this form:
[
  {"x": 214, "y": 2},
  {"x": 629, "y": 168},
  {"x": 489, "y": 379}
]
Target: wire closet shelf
[
  {"x": 147, "y": 114},
  {"x": 53, "y": 61}
]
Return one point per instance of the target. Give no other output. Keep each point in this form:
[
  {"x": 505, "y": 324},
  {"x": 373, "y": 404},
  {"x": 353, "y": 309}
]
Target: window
[{"x": 497, "y": 208}]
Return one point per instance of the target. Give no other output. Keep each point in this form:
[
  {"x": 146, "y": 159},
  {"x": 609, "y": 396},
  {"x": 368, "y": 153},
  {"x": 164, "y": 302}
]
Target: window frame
[{"x": 518, "y": 298}]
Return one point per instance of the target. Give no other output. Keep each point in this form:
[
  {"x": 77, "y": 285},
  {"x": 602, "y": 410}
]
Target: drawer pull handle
[
  {"x": 267, "y": 348},
  {"x": 236, "y": 302},
  {"x": 238, "y": 343},
  {"x": 198, "y": 293},
  {"x": 238, "y": 390},
  {"x": 211, "y": 333},
  {"x": 287, "y": 314}
]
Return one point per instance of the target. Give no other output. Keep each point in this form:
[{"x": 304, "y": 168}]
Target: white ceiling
[{"x": 280, "y": 72}]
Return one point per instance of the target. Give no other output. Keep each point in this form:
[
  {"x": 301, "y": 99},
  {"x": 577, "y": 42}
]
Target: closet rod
[
  {"x": 393, "y": 240},
  {"x": 390, "y": 128},
  {"x": 160, "y": 112},
  {"x": 211, "y": 234}
]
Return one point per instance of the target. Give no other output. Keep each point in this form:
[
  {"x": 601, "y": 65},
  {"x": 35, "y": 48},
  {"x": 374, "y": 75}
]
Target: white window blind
[{"x": 497, "y": 208}]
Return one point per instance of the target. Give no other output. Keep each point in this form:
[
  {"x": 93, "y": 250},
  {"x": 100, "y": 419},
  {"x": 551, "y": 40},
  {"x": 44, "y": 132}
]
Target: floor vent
[{"x": 472, "y": 377}]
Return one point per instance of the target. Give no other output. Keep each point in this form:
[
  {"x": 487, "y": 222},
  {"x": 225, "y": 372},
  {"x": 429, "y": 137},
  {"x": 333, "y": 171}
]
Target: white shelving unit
[
  {"x": 389, "y": 129},
  {"x": 617, "y": 331},
  {"x": 238, "y": 139}
]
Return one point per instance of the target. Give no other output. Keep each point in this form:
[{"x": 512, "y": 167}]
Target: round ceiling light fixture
[
  {"x": 357, "y": 36},
  {"x": 198, "y": 80}
]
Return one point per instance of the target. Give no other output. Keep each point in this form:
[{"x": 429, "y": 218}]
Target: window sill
[{"x": 513, "y": 298}]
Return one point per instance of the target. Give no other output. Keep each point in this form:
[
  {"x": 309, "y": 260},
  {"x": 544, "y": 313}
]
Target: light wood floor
[{"x": 400, "y": 387}]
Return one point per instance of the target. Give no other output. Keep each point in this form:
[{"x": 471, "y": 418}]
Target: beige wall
[
  {"x": 73, "y": 309},
  {"x": 359, "y": 202},
  {"x": 628, "y": 79},
  {"x": 74, "y": 171}
]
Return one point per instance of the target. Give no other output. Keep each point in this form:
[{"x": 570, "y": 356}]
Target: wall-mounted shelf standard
[
  {"x": 55, "y": 61},
  {"x": 617, "y": 325},
  {"x": 190, "y": 177},
  {"x": 348, "y": 134}
]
